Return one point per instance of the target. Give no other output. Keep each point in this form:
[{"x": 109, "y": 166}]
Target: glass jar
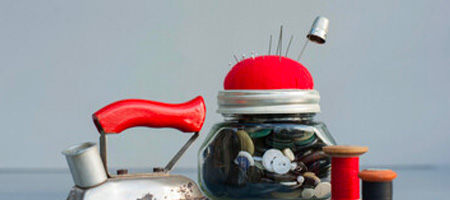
[{"x": 268, "y": 147}]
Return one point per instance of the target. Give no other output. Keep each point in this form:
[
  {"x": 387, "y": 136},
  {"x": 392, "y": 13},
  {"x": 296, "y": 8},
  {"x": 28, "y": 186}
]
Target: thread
[
  {"x": 377, "y": 183},
  {"x": 344, "y": 178},
  {"x": 377, "y": 190}
]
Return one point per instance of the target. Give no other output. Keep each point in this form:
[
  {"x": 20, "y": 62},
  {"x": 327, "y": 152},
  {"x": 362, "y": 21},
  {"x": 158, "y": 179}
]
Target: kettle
[{"x": 89, "y": 167}]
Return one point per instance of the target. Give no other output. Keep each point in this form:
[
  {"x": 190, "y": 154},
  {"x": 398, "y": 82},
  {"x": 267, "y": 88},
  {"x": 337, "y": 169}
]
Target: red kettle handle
[{"x": 125, "y": 114}]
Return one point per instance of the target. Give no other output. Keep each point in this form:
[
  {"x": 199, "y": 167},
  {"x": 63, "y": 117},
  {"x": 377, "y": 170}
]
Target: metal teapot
[{"x": 89, "y": 169}]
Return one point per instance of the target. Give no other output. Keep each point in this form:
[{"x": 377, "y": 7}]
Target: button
[
  {"x": 322, "y": 190},
  {"x": 308, "y": 193},
  {"x": 259, "y": 165},
  {"x": 306, "y": 135},
  {"x": 279, "y": 144},
  {"x": 237, "y": 177},
  {"x": 300, "y": 180},
  {"x": 280, "y": 177},
  {"x": 291, "y": 183},
  {"x": 256, "y": 158},
  {"x": 254, "y": 174},
  {"x": 268, "y": 158},
  {"x": 246, "y": 142},
  {"x": 299, "y": 169},
  {"x": 313, "y": 156},
  {"x": 309, "y": 174},
  {"x": 281, "y": 140},
  {"x": 244, "y": 160},
  {"x": 286, "y": 195},
  {"x": 311, "y": 180},
  {"x": 289, "y": 154},
  {"x": 281, "y": 165},
  {"x": 294, "y": 165},
  {"x": 318, "y": 165},
  {"x": 307, "y": 142},
  {"x": 260, "y": 133},
  {"x": 288, "y": 133}
]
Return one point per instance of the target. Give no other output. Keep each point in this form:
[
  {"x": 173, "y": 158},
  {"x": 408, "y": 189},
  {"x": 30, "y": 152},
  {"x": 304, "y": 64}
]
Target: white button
[
  {"x": 291, "y": 183},
  {"x": 300, "y": 179},
  {"x": 268, "y": 158},
  {"x": 244, "y": 159},
  {"x": 289, "y": 154},
  {"x": 293, "y": 166},
  {"x": 256, "y": 158},
  {"x": 281, "y": 165},
  {"x": 248, "y": 156},
  {"x": 308, "y": 193},
  {"x": 323, "y": 189}
]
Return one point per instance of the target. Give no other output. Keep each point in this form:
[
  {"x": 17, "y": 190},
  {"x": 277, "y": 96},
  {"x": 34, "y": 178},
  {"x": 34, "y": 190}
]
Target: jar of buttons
[{"x": 269, "y": 145}]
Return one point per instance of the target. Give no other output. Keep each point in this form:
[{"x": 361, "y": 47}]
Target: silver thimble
[{"x": 319, "y": 30}]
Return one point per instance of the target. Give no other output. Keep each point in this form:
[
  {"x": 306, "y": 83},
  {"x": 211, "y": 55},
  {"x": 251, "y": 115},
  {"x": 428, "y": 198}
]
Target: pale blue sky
[{"x": 384, "y": 73}]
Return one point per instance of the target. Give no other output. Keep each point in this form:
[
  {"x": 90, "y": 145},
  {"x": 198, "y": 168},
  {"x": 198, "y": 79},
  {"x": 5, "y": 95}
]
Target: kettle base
[{"x": 140, "y": 187}]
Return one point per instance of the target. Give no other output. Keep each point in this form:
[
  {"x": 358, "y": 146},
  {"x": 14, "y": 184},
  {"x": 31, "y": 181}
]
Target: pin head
[{"x": 319, "y": 30}]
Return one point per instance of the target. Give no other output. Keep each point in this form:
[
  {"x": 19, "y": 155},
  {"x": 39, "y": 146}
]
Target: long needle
[
  {"x": 235, "y": 57},
  {"x": 289, "y": 45},
  {"x": 303, "y": 49},
  {"x": 270, "y": 44},
  {"x": 280, "y": 41}
]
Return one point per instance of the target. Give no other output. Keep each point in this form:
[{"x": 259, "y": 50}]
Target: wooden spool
[{"x": 344, "y": 171}]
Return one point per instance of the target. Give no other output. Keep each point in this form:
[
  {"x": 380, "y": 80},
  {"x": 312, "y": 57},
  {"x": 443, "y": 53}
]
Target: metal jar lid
[{"x": 285, "y": 101}]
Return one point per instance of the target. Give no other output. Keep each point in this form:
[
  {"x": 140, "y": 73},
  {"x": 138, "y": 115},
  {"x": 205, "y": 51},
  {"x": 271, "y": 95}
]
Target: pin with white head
[{"x": 318, "y": 33}]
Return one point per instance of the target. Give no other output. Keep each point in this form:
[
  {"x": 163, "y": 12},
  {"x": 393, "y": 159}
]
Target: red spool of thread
[{"x": 344, "y": 171}]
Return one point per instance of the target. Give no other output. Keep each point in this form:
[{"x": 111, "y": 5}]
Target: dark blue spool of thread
[{"x": 377, "y": 184}]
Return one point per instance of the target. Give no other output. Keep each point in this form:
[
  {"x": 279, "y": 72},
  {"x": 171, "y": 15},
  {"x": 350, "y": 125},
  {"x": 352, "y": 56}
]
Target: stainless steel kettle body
[{"x": 89, "y": 168}]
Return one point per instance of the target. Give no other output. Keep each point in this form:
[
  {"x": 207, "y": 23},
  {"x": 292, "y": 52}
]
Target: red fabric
[{"x": 268, "y": 72}]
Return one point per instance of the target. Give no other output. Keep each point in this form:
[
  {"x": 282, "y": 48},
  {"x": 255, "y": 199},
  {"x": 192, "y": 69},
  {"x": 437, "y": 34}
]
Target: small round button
[
  {"x": 289, "y": 154},
  {"x": 268, "y": 158},
  {"x": 244, "y": 160},
  {"x": 323, "y": 189},
  {"x": 281, "y": 165},
  {"x": 246, "y": 141},
  {"x": 300, "y": 180},
  {"x": 308, "y": 193},
  {"x": 291, "y": 183},
  {"x": 294, "y": 165}
]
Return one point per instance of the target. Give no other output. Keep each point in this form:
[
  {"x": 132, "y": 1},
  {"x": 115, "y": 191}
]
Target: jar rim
[{"x": 283, "y": 101}]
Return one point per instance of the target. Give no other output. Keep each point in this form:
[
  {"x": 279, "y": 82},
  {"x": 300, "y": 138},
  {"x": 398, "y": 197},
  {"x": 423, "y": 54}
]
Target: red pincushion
[{"x": 268, "y": 72}]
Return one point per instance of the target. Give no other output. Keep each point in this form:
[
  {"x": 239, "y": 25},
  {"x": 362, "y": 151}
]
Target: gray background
[{"x": 383, "y": 74}]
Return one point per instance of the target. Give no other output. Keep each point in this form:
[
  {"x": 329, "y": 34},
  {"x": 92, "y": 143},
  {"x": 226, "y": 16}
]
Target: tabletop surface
[{"x": 411, "y": 183}]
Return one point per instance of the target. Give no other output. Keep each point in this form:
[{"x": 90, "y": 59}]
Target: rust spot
[{"x": 147, "y": 197}]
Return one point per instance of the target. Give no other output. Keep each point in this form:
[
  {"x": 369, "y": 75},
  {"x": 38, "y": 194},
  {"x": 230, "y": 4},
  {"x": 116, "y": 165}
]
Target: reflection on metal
[
  {"x": 319, "y": 30},
  {"x": 85, "y": 165},
  {"x": 141, "y": 187}
]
